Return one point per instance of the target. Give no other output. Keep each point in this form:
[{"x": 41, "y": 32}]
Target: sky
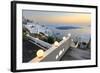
[{"x": 58, "y": 17}]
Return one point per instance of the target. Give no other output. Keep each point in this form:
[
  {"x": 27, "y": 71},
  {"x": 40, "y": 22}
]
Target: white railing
[
  {"x": 47, "y": 45},
  {"x": 55, "y": 53}
]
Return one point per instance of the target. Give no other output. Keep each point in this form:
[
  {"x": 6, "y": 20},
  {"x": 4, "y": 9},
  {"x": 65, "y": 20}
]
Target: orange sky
[
  {"x": 58, "y": 17},
  {"x": 71, "y": 19}
]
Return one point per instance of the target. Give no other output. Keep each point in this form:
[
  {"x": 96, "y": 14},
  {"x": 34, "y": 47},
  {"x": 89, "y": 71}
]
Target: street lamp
[
  {"x": 64, "y": 38},
  {"x": 56, "y": 44},
  {"x": 69, "y": 34},
  {"x": 40, "y": 53}
]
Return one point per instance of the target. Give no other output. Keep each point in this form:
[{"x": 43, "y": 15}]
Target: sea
[{"x": 79, "y": 31}]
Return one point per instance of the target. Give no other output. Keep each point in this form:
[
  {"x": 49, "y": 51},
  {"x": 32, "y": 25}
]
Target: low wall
[
  {"x": 40, "y": 42},
  {"x": 57, "y": 53},
  {"x": 54, "y": 53}
]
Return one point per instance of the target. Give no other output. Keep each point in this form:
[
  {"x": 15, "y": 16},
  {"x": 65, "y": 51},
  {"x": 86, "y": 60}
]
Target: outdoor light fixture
[
  {"x": 64, "y": 38},
  {"x": 40, "y": 53},
  {"x": 69, "y": 34},
  {"x": 56, "y": 43}
]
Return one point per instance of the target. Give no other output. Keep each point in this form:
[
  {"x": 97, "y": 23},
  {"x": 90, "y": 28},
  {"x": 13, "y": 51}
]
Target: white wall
[{"x": 5, "y": 36}]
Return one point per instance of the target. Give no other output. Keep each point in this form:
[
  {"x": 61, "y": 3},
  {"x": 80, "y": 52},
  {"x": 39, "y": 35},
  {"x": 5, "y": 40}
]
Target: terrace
[{"x": 38, "y": 47}]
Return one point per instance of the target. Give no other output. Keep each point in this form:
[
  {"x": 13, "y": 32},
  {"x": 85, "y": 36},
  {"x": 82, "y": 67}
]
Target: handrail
[
  {"x": 49, "y": 51},
  {"x": 40, "y": 41}
]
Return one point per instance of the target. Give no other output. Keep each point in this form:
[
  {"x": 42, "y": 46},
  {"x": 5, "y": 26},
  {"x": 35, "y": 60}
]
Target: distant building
[{"x": 37, "y": 28}]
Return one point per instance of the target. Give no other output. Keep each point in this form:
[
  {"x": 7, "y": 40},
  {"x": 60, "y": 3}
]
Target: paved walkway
[{"x": 76, "y": 54}]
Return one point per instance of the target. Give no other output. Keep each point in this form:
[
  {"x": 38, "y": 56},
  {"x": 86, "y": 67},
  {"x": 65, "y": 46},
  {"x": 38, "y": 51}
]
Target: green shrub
[{"x": 50, "y": 39}]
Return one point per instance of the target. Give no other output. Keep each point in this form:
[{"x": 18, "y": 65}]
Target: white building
[{"x": 37, "y": 28}]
